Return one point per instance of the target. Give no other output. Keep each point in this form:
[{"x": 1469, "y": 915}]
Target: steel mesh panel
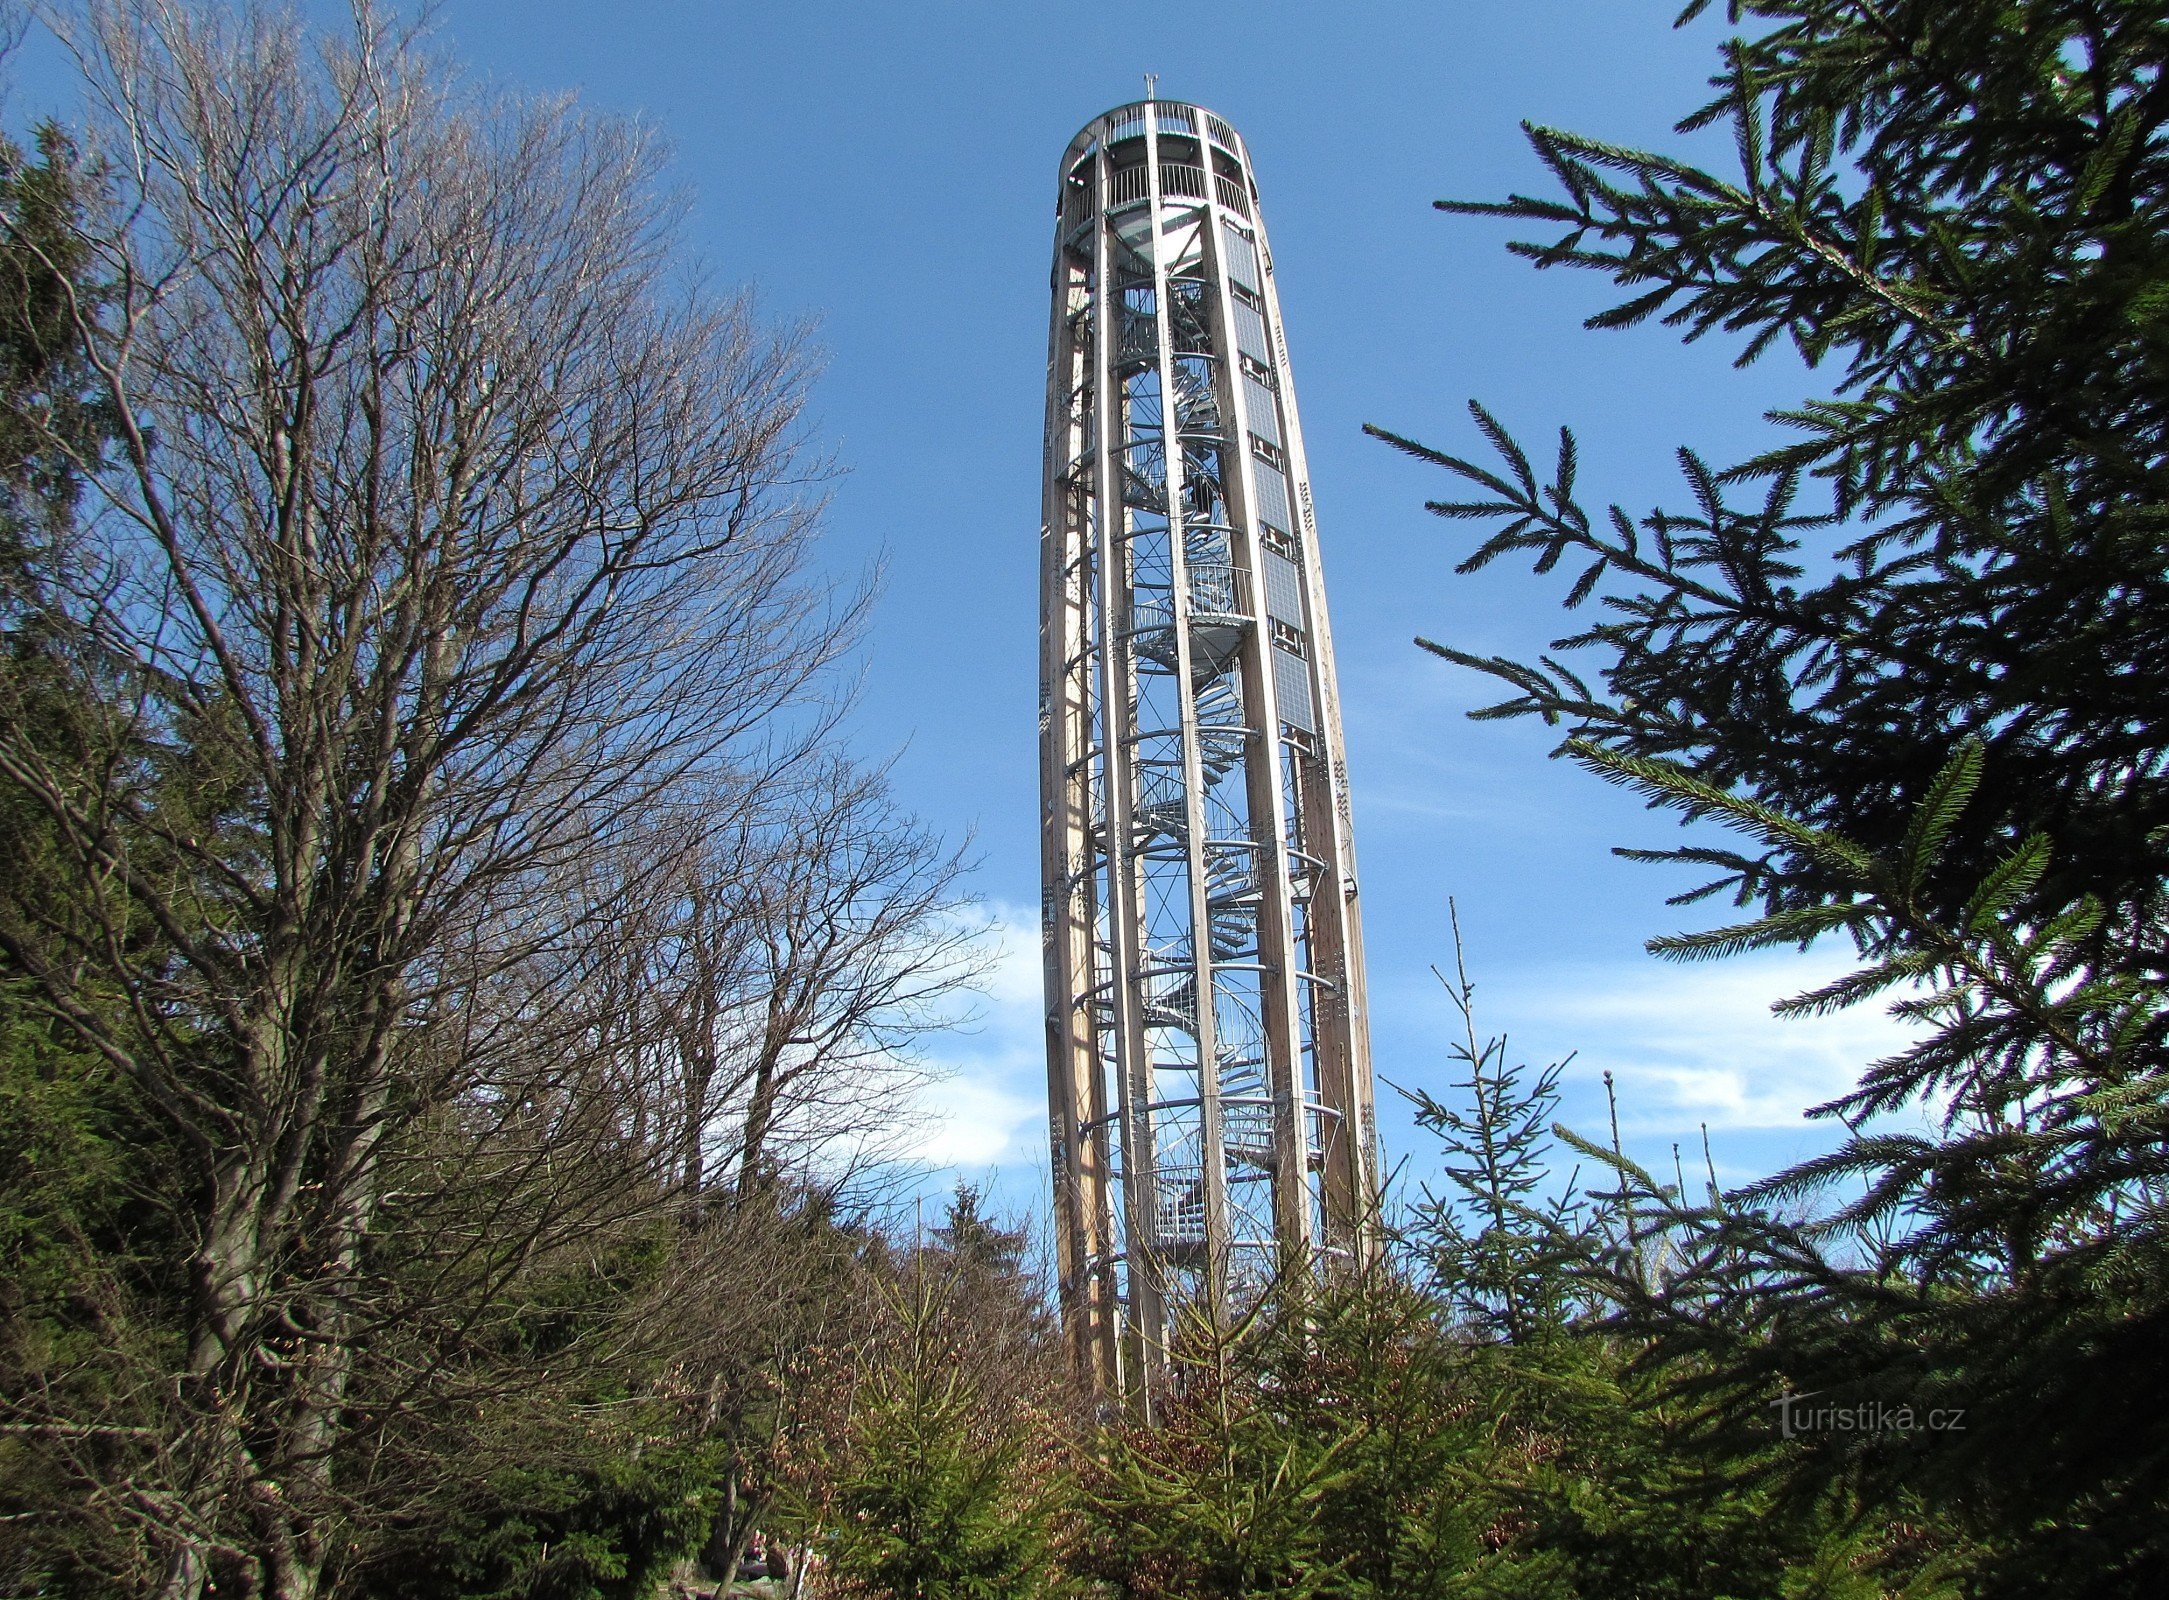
[
  {"x": 1283, "y": 589},
  {"x": 1264, "y": 412},
  {"x": 1242, "y": 259},
  {"x": 1291, "y": 684},
  {"x": 1272, "y": 496}
]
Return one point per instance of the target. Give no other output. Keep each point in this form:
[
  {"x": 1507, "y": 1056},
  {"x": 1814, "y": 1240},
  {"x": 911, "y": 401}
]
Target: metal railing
[
  {"x": 1177, "y": 178},
  {"x": 1128, "y": 185},
  {"x": 1219, "y": 588}
]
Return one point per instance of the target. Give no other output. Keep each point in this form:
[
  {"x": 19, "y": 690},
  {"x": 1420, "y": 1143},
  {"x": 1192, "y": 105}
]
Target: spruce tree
[
  {"x": 929, "y": 1475},
  {"x": 1913, "y": 656},
  {"x": 1491, "y": 1238},
  {"x": 89, "y": 1253},
  {"x": 1322, "y": 1443}
]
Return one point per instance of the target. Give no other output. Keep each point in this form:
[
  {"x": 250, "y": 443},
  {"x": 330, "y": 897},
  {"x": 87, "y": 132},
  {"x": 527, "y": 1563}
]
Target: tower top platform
[{"x": 1172, "y": 118}]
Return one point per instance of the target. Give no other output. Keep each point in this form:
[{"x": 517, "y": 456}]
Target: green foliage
[
  {"x": 1366, "y": 1365},
  {"x": 47, "y": 397},
  {"x": 1589, "y": 1465},
  {"x": 1221, "y": 1494},
  {"x": 2003, "y": 1268},
  {"x": 1914, "y": 660},
  {"x": 89, "y": 1251},
  {"x": 928, "y": 1505},
  {"x": 1606, "y": 1485},
  {"x": 1348, "y": 1439},
  {"x": 1491, "y": 1239},
  {"x": 977, "y": 1243},
  {"x": 65, "y": 1332},
  {"x": 604, "y": 1524},
  {"x": 1957, "y": 208},
  {"x": 933, "y": 1484},
  {"x": 60, "y": 1168}
]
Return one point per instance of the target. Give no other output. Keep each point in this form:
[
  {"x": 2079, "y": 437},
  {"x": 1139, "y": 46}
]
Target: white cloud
[
  {"x": 974, "y": 1122},
  {"x": 1694, "y": 1044},
  {"x": 987, "y": 1103},
  {"x": 1686, "y": 1045}
]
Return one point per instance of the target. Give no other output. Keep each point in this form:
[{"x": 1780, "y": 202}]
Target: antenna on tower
[{"x": 1152, "y": 85}]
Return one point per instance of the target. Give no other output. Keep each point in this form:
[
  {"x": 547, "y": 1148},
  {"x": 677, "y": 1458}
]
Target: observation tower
[{"x": 1208, "y": 1059}]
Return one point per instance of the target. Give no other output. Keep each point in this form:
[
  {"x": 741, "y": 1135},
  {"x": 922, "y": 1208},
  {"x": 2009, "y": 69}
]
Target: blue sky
[{"x": 889, "y": 171}]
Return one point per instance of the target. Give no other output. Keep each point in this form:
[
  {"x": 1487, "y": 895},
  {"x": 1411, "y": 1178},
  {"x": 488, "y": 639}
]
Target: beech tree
[
  {"x": 446, "y": 540},
  {"x": 814, "y": 934}
]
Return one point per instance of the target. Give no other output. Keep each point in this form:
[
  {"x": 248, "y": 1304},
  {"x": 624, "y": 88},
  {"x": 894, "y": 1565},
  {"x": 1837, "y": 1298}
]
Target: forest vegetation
[{"x": 454, "y": 983}]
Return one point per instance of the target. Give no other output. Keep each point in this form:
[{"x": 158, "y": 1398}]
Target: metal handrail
[
  {"x": 1180, "y": 178},
  {"x": 1219, "y": 587},
  {"x": 1126, "y": 186}
]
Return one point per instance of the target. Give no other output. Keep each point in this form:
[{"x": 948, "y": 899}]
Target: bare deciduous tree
[
  {"x": 453, "y": 541},
  {"x": 813, "y": 976}
]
